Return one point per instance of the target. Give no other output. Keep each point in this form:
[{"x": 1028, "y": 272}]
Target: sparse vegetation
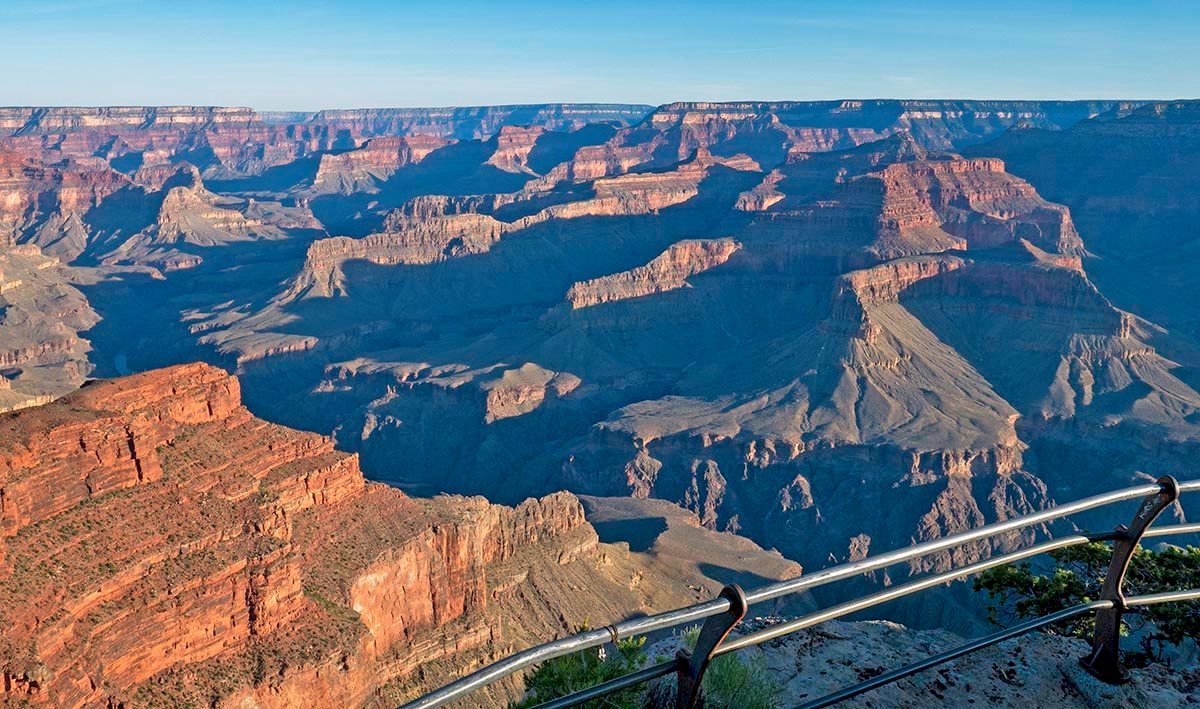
[
  {"x": 564, "y": 675},
  {"x": 1020, "y": 591},
  {"x": 731, "y": 680},
  {"x": 736, "y": 680},
  {"x": 334, "y": 609}
]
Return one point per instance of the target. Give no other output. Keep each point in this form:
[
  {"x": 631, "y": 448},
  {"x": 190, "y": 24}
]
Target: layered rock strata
[{"x": 159, "y": 545}]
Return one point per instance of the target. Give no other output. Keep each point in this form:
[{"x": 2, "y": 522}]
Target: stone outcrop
[
  {"x": 667, "y": 271},
  {"x": 974, "y": 202},
  {"x": 365, "y": 168},
  {"x": 37, "y": 196},
  {"x": 521, "y": 390},
  {"x": 513, "y": 145},
  {"x": 426, "y": 241},
  {"x": 180, "y": 214},
  {"x": 190, "y": 213},
  {"x": 885, "y": 282},
  {"x": 763, "y": 196},
  {"x": 42, "y": 352}
]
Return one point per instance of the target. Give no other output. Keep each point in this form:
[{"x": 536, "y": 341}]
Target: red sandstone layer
[{"x": 160, "y": 545}]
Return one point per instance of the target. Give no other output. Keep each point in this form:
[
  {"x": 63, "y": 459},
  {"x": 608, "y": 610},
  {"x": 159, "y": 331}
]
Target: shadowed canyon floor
[{"x": 831, "y": 327}]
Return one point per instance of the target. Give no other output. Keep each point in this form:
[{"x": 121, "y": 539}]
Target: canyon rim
[{"x": 328, "y": 407}]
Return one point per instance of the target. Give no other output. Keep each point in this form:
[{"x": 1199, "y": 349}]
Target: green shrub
[
  {"x": 732, "y": 681},
  {"x": 571, "y": 673},
  {"x": 1017, "y": 590},
  {"x": 739, "y": 681}
]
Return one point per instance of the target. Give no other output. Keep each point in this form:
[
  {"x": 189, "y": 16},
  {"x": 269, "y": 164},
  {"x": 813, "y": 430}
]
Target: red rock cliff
[{"x": 159, "y": 544}]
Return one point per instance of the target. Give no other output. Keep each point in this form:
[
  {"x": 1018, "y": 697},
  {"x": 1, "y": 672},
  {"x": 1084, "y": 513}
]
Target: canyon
[
  {"x": 751, "y": 319},
  {"x": 159, "y": 545}
]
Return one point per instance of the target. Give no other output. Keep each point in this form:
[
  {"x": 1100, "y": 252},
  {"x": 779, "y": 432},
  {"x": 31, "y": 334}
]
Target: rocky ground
[{"x": 1034, "y": 670}]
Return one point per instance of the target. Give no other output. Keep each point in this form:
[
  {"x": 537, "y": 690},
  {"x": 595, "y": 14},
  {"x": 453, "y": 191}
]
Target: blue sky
[{"x": 308, "y": 54}]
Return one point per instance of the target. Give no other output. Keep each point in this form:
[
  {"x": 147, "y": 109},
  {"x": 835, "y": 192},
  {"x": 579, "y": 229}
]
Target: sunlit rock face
[
  {"x": 776, "y": 315},
  {"x": 160, "y": 545}
]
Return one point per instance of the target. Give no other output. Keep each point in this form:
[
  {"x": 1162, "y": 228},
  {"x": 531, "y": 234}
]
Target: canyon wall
[{"x": 160, "y": 545}]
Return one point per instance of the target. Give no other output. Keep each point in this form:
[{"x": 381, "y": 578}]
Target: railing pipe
[
  {"x": 858, "y": 604},
  {"x": 566, "y": 646},
  {"x": 1171, "y": 530},
  {"x": 820, "y": 578},
  {"x": 1189, "y": 486},
  {"x": 613, "y": 685},
  {"x": 1151, "y": 599}
]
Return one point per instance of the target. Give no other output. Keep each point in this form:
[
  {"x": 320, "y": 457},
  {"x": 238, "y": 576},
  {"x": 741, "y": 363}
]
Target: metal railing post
[
  {"x": 1104, "y": 661},
  {"x": 693, "y": 665}
]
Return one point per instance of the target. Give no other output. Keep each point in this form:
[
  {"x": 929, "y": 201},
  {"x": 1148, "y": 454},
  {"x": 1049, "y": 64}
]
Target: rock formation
[
  {"x": 25, "y": 121},
  {"x": 159, "y": 545},
  {"x": 236, "y": 142},
  {"x": 42, "y": 352},
  {"x": 773, "y": 315},
  {"x": 667, "y": 271},
  {"x": 764, "y": 336},
  {"x": 476, "y": 122},
  {"x": 1128, "y": 177},
  {"x": 42, "y": 202},
  {"x": 364, "y": 168}
]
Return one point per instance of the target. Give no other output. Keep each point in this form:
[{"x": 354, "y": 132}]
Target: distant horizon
[
  {"x": 258, "y": 109},
  {"x": 291, "y": 55}
]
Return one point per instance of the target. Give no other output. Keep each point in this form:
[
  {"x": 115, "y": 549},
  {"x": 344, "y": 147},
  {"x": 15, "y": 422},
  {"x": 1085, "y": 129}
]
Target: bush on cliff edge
[
  {"x": 1018, "y": 590},
  {"x": 731, "y": 681}
]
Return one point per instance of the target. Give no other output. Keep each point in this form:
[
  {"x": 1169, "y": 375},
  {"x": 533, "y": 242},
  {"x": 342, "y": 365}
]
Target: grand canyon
[{"x": 328, "y": 408}]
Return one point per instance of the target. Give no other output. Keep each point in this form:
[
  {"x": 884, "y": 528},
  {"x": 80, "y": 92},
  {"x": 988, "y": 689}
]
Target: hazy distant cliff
[{"x": 452, "y": 122}]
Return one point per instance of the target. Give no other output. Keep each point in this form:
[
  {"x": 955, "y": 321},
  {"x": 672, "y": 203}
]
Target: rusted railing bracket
[
  {"x": 1104, "y": 661},
  {"x": 692, "y": 665}
]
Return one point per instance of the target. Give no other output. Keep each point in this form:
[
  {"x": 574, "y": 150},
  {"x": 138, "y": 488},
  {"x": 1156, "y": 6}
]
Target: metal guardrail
[{"x": 722, "y": 614}]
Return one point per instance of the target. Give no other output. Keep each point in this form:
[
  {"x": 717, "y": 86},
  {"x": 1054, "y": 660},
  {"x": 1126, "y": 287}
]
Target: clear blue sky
[{"x": 308, "y": 54}]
